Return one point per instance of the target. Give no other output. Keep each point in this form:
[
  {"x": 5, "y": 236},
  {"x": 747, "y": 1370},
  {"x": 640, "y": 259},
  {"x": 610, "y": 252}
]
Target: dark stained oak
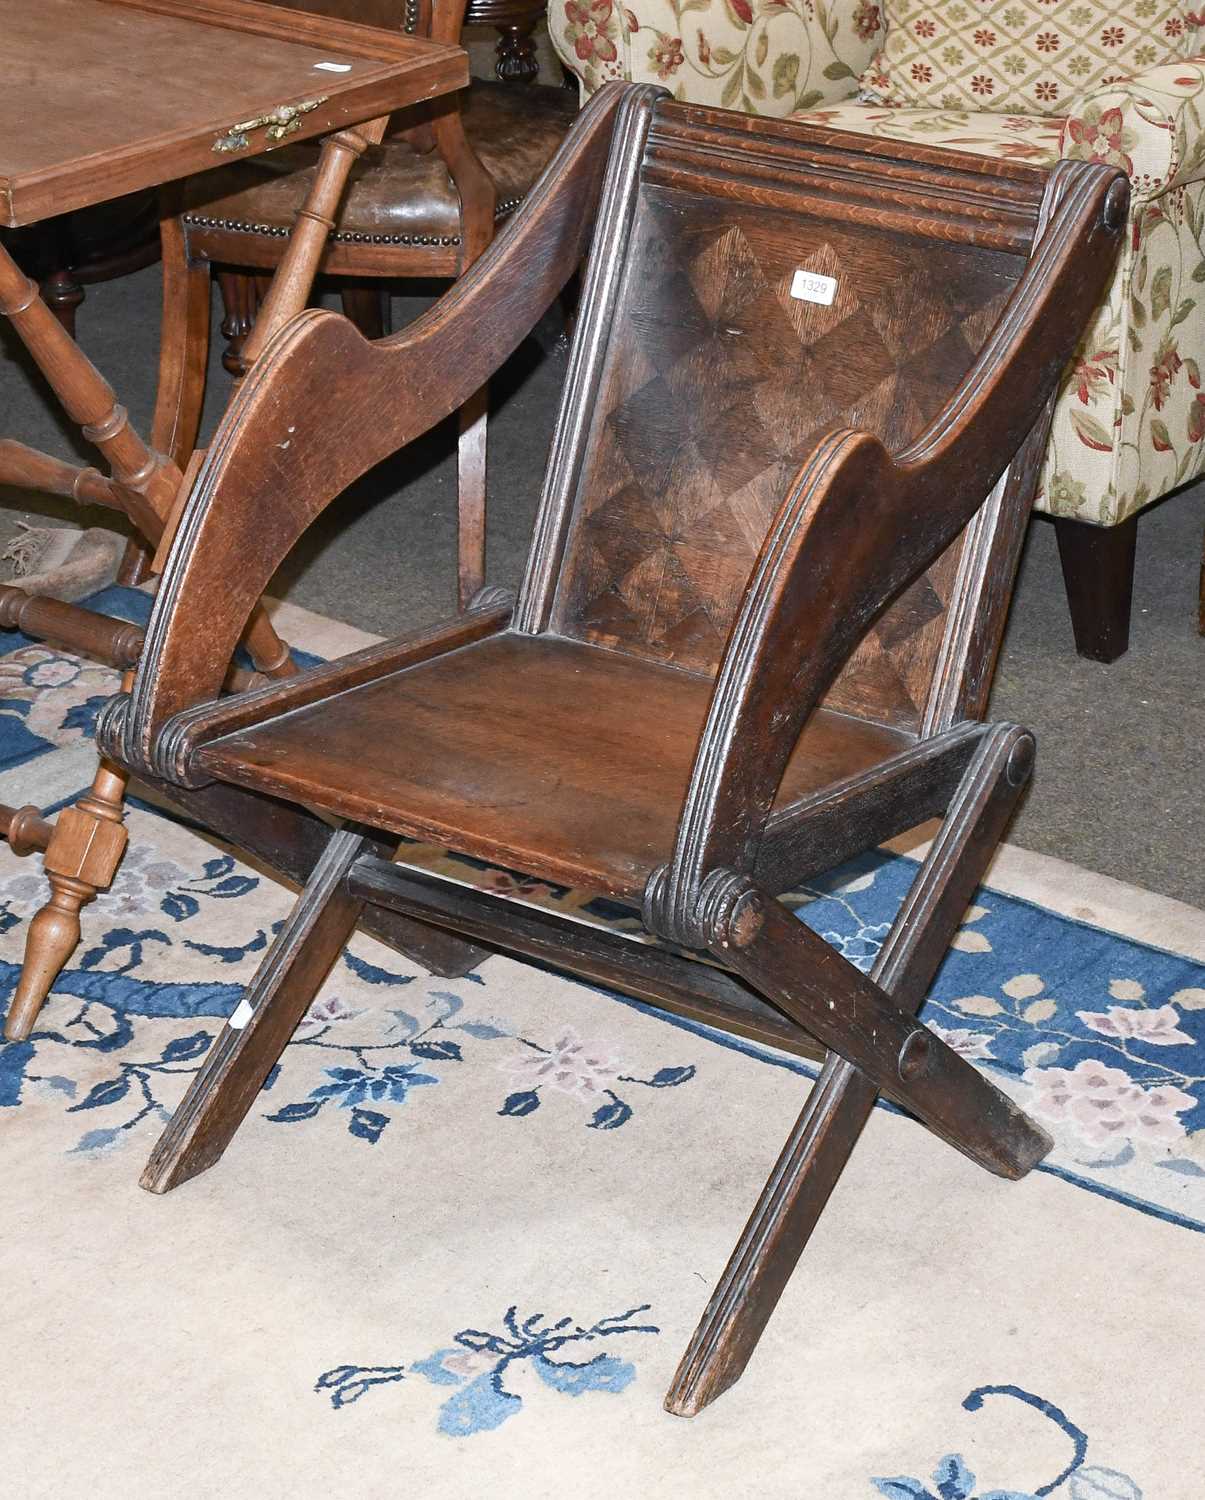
[
  {"x": 757, "y": 630},
  {"x": 1098, "y": 572},
  {"x": 597, "y": 806}
]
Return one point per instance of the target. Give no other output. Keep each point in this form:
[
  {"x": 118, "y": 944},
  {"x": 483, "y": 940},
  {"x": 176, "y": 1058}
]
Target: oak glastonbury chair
[{"x": 756, "y": 634}]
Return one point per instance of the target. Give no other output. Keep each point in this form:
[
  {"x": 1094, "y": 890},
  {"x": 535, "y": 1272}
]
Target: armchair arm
[
  {"x": 767, "y": 58},
  {"x": 1151, "y": 126},
  {"x": 321, "y": 406},
  {"x": 858, "y": 526}
]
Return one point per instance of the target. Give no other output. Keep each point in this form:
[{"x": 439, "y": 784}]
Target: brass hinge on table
[{"x": 281, "y": 122}]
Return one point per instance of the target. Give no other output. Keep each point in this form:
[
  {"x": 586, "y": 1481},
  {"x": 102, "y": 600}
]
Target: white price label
[
  {"x": 810, "y": 286},
  {"x": 242, "y": 1014}
]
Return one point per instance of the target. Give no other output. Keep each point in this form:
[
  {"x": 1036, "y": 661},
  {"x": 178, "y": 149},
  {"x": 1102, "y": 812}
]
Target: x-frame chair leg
[
  {"x": 840, "y": 1104},
  {"x": 253, "y": 1039}
]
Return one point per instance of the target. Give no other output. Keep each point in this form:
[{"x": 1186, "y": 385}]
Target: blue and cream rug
[{"x": 464, "y": 1235}]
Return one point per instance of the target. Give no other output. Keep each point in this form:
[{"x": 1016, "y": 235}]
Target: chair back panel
[{"x": 717, "y": 381}]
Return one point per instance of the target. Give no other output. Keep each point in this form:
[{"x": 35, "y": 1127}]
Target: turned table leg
[
  {"x": 148, "y": 481},
  {"x": 85, "y": 845},
  {"x": 517, "y": 61},
  {"x": 82, "y": 856}
]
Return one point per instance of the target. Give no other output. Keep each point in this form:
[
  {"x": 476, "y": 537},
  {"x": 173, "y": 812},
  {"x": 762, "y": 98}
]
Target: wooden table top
[{"x": 104, "y": 97}]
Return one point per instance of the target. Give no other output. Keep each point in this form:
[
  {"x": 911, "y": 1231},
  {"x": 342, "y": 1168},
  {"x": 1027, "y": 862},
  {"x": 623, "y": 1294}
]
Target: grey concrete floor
[{"x": 1119, "y": 782}]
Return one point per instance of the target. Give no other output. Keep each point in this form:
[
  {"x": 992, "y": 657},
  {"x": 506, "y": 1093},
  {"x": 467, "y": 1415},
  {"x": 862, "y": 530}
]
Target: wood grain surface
[{"x": 103, "y": 97}]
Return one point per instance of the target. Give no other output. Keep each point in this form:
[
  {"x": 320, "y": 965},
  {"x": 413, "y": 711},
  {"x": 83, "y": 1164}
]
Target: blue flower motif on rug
[
  {"x": 952, "y": 1480},
  {"x": 481, "y": 1364},
  {"x": 568, "y": 1065},
  {"x": 1100, "y": 1038},
  {"x": 368, "y": 1079}
]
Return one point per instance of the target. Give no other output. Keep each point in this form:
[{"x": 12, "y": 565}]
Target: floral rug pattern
[
  {"x": 953, "y": 1480},
  {"x": 1102, "y": 1038}
]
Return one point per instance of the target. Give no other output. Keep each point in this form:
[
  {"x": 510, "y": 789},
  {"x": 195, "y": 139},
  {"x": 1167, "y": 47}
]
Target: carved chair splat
[{"x": 756, "y": 633}]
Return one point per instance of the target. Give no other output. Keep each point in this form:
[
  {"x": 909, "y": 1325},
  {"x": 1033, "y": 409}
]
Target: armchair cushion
[
  {"x": 1020, "y": 56},
  {"x": 1130, "y": 420},
  {"x": 1151, "y": 126},
  {"x": 767, "y": 57}
]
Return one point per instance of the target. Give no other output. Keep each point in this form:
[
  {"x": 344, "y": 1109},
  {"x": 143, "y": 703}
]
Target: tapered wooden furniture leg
[
  {"x": 83, "y": 851},
  {"x": 1098, "y": 572},
  {"x": 241, "y": 293},
  {"x": 840, "y": 1104},
  {"x": 470, "y": 471},
  {"x": 81, "y": 858},
  {"x": 253, "y": 1039},
  {"x": 64, "y": 297}
]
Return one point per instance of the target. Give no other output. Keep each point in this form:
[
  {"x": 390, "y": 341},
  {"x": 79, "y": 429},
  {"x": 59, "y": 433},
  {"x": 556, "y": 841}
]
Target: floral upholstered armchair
[{"x": 1096, "y": 80}]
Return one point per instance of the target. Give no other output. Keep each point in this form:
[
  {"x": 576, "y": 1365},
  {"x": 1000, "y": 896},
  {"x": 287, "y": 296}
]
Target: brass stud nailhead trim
[{"x": 274, "y": 231}]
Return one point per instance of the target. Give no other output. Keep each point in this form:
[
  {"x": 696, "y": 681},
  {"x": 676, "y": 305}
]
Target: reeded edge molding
[
  {"x": 604, "y": 275},
  {"x": 556, "y": 191},
  {"x": 673, "y": 901}
]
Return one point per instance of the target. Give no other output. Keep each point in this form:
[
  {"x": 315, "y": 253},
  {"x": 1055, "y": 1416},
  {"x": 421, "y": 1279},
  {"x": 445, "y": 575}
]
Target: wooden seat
[
  {"x": 541, "y": 724},
  {"x": 783, "y": 507}
]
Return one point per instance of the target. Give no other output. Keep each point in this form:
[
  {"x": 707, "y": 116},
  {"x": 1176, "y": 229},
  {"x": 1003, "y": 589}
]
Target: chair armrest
[
  {"x": 767, "y": 57},
  {"x": 1150, "y": 126},
  {"x": 322, "y": 405},
  {"x": 859, "y": 525}
]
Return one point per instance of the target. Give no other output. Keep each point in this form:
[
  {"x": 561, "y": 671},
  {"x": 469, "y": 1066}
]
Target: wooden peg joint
[{"x": 916, "y": 1055}]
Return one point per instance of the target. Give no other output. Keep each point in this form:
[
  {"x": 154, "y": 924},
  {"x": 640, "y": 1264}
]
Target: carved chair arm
[
  {"x": 859, "y": 525},
  {"x": 322, "y": 406}
]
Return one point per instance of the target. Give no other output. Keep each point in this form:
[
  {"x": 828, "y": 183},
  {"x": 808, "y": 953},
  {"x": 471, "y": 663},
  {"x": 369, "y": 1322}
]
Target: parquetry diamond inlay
[{"x": 720, "y": 385}]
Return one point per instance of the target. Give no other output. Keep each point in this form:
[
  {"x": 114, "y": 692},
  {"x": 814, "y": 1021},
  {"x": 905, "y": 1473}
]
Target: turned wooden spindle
[
  {"x": 27, "y": 469},
  {"x": 25, "y": 828},
  {"x": 146, "y": 483},
  {"x": 82, "y": 855},
  {"x": 294, "y": 278},
  {"x": 117, "y": 642},
  {"x": 148, "y": 480}
]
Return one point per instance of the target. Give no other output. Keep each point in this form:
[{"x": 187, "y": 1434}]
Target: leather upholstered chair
[{"x": 423, "y": 204}]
